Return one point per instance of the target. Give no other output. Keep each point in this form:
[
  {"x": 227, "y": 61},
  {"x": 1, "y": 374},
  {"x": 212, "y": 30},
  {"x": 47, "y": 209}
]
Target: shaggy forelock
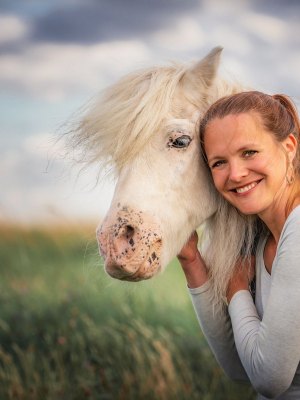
[{"x": 119, "y": 125}]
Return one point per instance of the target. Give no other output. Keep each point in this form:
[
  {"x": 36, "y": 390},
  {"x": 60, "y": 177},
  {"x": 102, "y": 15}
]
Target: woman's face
[{"x": 248, "y": 165}]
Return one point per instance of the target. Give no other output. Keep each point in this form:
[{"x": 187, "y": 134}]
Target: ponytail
[{"x": 290, "y": 107}]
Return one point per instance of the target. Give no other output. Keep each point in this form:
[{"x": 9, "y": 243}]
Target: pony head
[{"x": 145, "y": 127}]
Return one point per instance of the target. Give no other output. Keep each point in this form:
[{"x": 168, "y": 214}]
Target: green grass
[{"x": 68, "y": 331}]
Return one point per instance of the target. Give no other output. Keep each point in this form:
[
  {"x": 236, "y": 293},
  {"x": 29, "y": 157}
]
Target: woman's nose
[{"x": 237, "y": 171}]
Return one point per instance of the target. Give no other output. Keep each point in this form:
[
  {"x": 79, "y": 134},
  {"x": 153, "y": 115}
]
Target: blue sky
[{"x": 56, "y": 55}]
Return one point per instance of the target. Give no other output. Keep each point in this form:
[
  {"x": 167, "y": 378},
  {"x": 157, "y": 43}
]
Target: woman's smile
[{"x": 245, "y": 189}]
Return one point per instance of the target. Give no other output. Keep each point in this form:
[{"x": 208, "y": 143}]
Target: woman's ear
[{"x": 290, "y": 144}]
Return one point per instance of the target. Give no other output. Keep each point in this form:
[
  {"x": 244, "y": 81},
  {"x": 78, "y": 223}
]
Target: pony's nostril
[
  {"x": 125, "y": 240},
  {"x": 129, "y": 231},
  {"x": 126, "y": 232}
]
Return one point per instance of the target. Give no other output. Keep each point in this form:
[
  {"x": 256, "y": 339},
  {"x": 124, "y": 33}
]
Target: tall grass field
[{"x": 68, "y": 331}]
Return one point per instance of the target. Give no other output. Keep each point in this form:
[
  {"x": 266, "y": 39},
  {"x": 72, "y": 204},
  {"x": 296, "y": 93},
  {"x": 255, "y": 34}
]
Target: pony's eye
[{"x": 181, "y": 142}]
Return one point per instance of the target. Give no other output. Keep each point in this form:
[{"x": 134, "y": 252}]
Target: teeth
[{"x": 246, "y": 188}]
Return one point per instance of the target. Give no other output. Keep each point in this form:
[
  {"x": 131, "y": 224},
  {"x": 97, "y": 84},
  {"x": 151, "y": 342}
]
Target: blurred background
[
  {"x": 67, "y": 331},
  {"x": 57, "y": 54}
]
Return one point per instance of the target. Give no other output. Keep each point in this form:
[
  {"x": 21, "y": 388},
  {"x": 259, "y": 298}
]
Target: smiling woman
[
  {"x": 252, "y": 139},
  {"x": 251, "y": 145},
  {"x": 247, "y": 165}
]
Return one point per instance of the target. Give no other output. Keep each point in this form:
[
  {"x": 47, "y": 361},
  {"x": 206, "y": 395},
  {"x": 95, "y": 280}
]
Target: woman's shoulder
[
  {"x": 291, "y": 228},
  {"x": 293, "y": 217},
  {"x": 288, "y": 250},
  {"x": 295, "y": 212}
]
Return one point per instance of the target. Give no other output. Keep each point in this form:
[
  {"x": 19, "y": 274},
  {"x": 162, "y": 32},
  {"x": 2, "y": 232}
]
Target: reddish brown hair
[{"x": 278, "y": 115}]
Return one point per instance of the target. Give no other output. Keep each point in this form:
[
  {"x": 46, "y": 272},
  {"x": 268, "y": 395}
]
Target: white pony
[{"x": 145, "y": 127}]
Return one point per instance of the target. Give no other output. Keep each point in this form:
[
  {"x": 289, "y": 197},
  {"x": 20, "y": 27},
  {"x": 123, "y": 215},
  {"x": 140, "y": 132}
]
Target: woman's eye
[
  {"x": 249, "y": 153},
  {"x": 181, "y": 142},
  {"x": 217, "y": 164}
]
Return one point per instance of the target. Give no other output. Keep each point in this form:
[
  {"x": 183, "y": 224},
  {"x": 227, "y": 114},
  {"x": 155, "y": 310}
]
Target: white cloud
[
  {"x": 43, "y": 145},
  {"x": 12, "y": 28},
  {"x": 266, "y": 27},
  {"x": 232, "y": 39},
  {"x": 36, "y": 190},
  {"x": 219, "y": 7},
  {"x": 53, "y": 72},
  {"x": 185, "y": 35}
]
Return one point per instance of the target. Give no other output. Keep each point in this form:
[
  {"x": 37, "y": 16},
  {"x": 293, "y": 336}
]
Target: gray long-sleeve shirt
[{"x": 260, "y": 341}]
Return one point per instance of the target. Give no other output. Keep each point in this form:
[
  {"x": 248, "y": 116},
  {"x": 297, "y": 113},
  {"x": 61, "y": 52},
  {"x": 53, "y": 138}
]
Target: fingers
[{"x": 190, "y": 249}]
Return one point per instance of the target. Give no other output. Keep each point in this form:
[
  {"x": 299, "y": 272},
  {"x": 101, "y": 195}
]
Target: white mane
[
  {"x": 230, "y": 238},
  {"x": 121, "y": 123}
]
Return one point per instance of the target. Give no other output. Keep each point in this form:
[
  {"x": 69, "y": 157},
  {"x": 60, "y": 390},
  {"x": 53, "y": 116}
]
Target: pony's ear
[{"x": 204, "y": 71}]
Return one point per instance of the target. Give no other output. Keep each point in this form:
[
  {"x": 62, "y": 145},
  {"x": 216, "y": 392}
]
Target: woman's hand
[
  {"x": 192, "y": 263},
  {"x": 189, "y": 251},
  {"x": 244, "y": 274}
]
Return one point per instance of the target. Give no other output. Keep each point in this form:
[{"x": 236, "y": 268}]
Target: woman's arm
[
  {"x": 214, "y": 322},
  {"x": 244, "y": 274},
  {"x": 270, "y": 349}
]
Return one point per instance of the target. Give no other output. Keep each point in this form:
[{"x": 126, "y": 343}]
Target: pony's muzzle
[{"x": 130, "y": 246}]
